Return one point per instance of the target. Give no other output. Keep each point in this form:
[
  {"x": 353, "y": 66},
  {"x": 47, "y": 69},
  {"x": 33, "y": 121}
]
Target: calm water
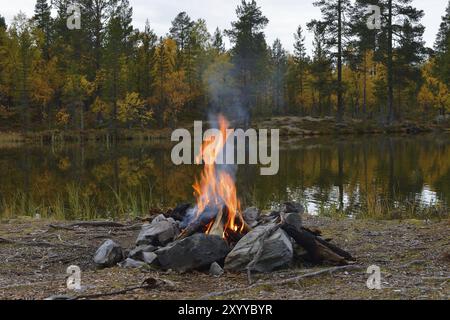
[{"x": 377, "y": 177}]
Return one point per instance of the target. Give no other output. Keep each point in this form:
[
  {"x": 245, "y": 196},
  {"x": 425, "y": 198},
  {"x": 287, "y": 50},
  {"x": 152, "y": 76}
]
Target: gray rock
[
  {"x": 277, "y": 251},
  {"x": 193, "y": 253},
  {"x": 159, "y": 218},
  {"x": 150, "y": 258},
  {"x": 108, "y": 254},
  {"x": 132, "y": 264},
  {"x": 216, "y": 270},
  {"x": 160, "y": 232},
  {"x": 138, "y": 252},
  {"x": 293, "y": 207},
  {"x": 293, "y": 219},
  {"x": 251, "y": 216}
]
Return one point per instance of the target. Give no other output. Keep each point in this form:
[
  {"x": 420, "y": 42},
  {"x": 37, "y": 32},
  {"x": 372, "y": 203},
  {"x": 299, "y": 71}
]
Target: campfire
[
  {"x": 215, "y": 233},
  {"x": 218, "y": 210}
]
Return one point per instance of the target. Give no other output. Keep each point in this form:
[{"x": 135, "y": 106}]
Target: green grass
[{"x": 72, "y": 204}]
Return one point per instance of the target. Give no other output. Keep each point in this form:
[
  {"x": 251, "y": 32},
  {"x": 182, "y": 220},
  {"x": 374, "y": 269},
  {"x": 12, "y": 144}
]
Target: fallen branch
[
  {"x": 42, "y": 244},
  {"x": 72, "y": 227},
  {"x": 60, "y": 227},
  {"x": 148, "y": 284},
  {"x": 109, "y": 294},
  {"x": 3, "y": 240},
  {"x": 283, "y": 282},
  {"x": 33, "y": 284},
  {"x": 97, "y": 224}
]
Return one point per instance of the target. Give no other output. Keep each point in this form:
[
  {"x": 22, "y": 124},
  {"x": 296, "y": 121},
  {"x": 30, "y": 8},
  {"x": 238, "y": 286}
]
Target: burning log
[
  {"x": 199, "y": 224},
  {"x": 179, "y": 213},
  {"x": 213, "y": 221}
]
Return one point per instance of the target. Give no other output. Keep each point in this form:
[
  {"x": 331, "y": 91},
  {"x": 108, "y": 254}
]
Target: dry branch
[
  {"x": 282, "y": 282},
  {"x": 42, "y": 244},
  {"x": 97, "y": 224},
  {"x": 148, "y": 284}
]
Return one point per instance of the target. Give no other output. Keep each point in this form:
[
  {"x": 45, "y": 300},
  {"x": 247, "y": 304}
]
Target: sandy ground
[{"x": 414, "y": 257}]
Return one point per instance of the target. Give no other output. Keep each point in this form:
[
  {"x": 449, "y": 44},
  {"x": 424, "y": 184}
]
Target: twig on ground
[
  {"x": 42, "y": 244},
  {"x": 109, "y": 294},
  {"x": 97, "y": 224},
  {"x": 282, "y": 282},
  {"x": 148, "y": 284}
]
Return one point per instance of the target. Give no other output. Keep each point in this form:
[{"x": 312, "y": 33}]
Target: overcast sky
[{"x": 284, "y": 15}]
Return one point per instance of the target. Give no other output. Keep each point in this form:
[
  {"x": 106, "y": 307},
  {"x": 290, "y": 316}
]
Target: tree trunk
[
  {"x": 365, "y": 85},
  {"x": 391, "y": 115},
  {"x": 340, "y": 107}
]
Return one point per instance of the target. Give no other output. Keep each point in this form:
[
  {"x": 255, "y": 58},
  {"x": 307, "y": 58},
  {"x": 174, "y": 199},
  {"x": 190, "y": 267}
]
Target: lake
[{"x": 377, "y": 177}]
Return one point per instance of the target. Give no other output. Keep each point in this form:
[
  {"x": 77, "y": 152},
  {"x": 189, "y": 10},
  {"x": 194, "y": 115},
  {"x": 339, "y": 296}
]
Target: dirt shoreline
[
  {"x": 414, "y": 257},
  {"x": 290, "y": 126}
]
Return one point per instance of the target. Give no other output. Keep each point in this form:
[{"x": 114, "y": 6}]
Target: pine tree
[
  {"x": 43, "y": 19},
  {"x": 145, "y": 61},
  {"x": 399, "y": 19},
  {"x": 442, "y": 48},
  {"x": 301, "y": 65},
  {"x": 95, "y": 15},
  {"x": 321, "y": 68},
  {"x": 181, "y": 30},
  {"x": 279, "y": 62},
  {"x": 410, "y": 54},
  {"x": 164, "y": 66},
  {"x": 249, "y": 52},
  {"x": 361, "y": 46},
  {"x": 24, "y": 50},
  {"x": 336, "y": 30},
  {"x": 2, "y": 22},
  {"x": 217, "y": 41},
  {"x": 195, "y": 53},
  {"x": 118, "y": 48},
  {"x": 442, "y": 43}
]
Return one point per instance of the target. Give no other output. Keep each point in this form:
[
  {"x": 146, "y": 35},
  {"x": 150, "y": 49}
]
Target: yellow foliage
[
  {"x": 434, "y": 93},
  {"x": 101, "y": 107},
  {"x": 177, "y": 93},
  {"x": 62, "y": 117},
  {"x": 64, "y": 164},
  {"x": 132, "y": 108},
  {"x": 78, "y": 86}
]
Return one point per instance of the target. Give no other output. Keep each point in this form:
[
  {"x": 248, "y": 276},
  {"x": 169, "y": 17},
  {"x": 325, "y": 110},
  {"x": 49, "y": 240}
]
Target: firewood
[
  {"x": 318, "y": 249},
  {"x": 198, "y": 225},
  {"x": 335, "y": 249},
  {"x": 179, "y": 212}
]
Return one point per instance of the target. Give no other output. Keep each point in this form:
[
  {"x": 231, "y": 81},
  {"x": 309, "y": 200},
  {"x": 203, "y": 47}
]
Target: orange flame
[{"x": 217, "y": 188}]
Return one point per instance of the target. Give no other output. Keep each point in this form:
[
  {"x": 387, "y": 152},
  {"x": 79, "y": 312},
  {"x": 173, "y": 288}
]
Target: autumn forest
[{"x": 109, "y": 75}]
